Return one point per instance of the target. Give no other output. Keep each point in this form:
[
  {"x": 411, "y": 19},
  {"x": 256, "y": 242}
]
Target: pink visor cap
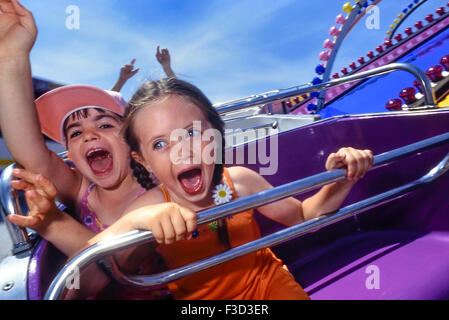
[{"x": 55, "y": 106}]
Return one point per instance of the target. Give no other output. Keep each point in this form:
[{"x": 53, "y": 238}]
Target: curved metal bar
[
  {"x": 429, "y": 94},
  {"x": 343, "y": 33},
  {"x": 102, "y": 249},
  {"x": 277, "y": 237},
  {"x": 21, "y": 240},
  {"x": 271, "y": 125},
  {"x": 13, "y": 203}
]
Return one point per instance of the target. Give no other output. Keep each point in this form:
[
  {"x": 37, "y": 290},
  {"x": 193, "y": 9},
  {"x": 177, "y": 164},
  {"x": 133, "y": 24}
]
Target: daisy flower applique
[{"x": 222, "y": 194}]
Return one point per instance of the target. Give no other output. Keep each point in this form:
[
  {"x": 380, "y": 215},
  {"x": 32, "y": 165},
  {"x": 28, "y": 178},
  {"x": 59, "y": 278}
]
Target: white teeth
[{"x": 92, "y": 151}]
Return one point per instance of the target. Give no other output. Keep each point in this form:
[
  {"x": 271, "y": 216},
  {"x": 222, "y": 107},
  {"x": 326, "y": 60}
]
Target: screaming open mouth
[
  {"x": 191, "y": 181},
  {"x": 100, "y": 161}
]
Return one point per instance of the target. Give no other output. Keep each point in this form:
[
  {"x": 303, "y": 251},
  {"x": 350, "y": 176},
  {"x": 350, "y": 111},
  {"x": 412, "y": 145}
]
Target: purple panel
[
  {"x": 45, "y": 262},
  {"x": 302, "y": 152},
  {"x": 407, "y": 266},
  {"x": 331, "y": 262}
]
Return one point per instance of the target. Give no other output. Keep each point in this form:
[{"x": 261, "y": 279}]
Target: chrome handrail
[
  {"x": 273, "y": 239},
  {"x": 10, "y": 204},
  {"x": 271, "y": 125},
  {"x": 429, "y": 94},
  {"x": 104, "y": 248}
]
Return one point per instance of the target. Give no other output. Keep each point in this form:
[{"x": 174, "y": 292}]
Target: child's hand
[
  {"x": 128, "y": 71},
  {"x": 168, "y": 222},
  {"x": 163, "y": 57},
  {"x": 17, "y": 29},
  {"x": 357, "y": 162},
  {"x": 40, "y": 194}
]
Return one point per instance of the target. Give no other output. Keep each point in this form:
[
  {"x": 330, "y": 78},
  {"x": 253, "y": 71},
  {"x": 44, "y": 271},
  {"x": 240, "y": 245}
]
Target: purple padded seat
[
  {"x": 46, "y": 261},
  {"x": 411, "y": 266}
]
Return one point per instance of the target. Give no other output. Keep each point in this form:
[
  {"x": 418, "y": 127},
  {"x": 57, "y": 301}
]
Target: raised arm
[
  {"x": 163, "y": 57},
  {"x": 329, "y": 198},
  {"x": 126, "y": 73},
  {"x": 18, "y": 117}
]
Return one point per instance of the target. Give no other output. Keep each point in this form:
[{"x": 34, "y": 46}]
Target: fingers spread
[
  {"x": 46, "y": 186},
  {"x": 21, "y": 185},
  {"x": 25, "y": 175},
  {"x": 20, "y": 9},
  {"x": 24, "y": 221},
  {"x": 35, "y": 181},
  {"x": 7, "y": 6},
  {"x": 37, "y": 202}
]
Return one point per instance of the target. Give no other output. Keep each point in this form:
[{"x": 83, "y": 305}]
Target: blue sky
[{"x": 228, "y": 48}]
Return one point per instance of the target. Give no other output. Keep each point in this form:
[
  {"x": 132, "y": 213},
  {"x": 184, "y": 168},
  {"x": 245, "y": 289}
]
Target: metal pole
[
  {"x": 429, "y": 94},
  {"x": 131, "y": 239}
]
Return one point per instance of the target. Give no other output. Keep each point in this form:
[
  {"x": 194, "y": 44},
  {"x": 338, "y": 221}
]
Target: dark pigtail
[{"x": 142, "y": 175}]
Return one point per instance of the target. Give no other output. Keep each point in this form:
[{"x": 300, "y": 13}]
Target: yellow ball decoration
[
  {"x": 347, "y": 7},
  {"x": 396, "y": 20},
  {"x": 400, "y": 16}
]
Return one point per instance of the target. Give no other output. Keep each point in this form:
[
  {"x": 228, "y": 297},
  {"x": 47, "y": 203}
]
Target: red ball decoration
[
  {"x": 379, "y": 49},
  {"x": 434, "y": 73},
  {"x": 361, "y": 60},
  {"x": 429, "y": 18},
  {"x": 408, "y": 95},
  {"x": 418, "y": 25},
  {"x": 408, "y": 31},
  {"x": 370, "y": 54},
  {"x": 398, "y": 37},
  {"x": 388, "y": 43},
  {"x": 288, "y": 104},
  {"x": 394, "y": 105},
  {"x": 353, "y": 65},
  {"x": 445, "y": 62},
  {"x": 336, "y": 75},
  {"x": 440, "y": 11},
  {"x": 344, "y": 71}
]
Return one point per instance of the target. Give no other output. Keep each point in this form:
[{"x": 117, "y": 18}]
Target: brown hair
[
  {"x": 152, "y": 91},
  {"x": 83, "y": 114}
]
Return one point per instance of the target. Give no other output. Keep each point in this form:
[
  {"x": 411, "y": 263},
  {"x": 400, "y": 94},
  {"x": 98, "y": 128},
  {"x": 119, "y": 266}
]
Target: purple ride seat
[{"x": 410, "y": 265}]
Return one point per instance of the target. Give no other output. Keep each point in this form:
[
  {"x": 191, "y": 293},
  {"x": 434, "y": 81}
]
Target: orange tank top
[{"x": 255, "y": 276}]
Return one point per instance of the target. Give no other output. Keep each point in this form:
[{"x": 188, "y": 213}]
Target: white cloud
[{"x": 210, "y": 52}]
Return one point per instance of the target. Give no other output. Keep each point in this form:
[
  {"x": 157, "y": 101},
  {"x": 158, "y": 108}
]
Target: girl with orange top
[{"x": 175, "y": 152}]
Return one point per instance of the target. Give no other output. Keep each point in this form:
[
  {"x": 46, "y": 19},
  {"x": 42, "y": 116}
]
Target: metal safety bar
[
  {"x": 12, "y": 203},
  {"x": 20, "y": 238},
  {"x": 105, "y": 248},
  {"x": 429, "y": 94},
  {"x": 271, "y": 125}
]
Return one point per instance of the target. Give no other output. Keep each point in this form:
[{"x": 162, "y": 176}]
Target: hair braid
[{"x": 142, "y": 175}]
